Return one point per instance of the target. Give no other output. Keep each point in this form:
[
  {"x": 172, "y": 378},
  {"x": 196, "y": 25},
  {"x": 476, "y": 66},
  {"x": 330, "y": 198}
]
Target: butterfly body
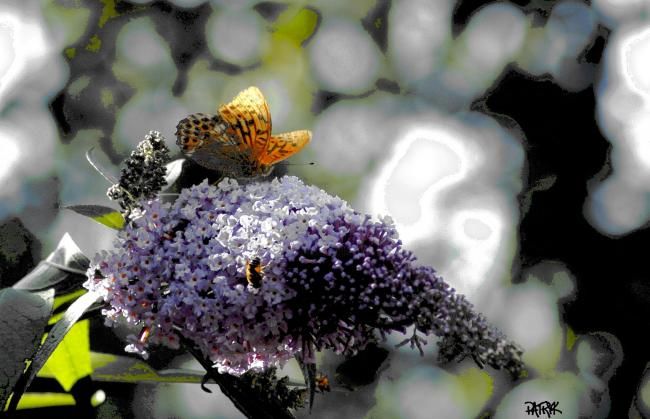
[
  {"x": 254, "y": 272},
  {"x": 237, "y": 141}
]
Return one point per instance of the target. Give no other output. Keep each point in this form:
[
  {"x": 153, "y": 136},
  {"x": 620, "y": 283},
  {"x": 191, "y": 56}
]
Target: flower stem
[{"x": 240, "y": 393}]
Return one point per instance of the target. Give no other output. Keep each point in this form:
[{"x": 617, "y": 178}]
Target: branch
[{"x": 246, "y": 399}]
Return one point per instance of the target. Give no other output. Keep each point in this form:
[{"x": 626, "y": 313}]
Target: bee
[
  {"x": 254, "y": 273},
  {"x": 144, "y": 334}
]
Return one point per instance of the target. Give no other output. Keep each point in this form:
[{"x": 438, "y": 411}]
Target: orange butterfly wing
[
  {"x": 238, "y": 141},
  {"x": 249, "y": 118},
  {"x": 193, "y": 131},
  {"x": 204, "y": 139},
  {"x": 285, "y": 145}
]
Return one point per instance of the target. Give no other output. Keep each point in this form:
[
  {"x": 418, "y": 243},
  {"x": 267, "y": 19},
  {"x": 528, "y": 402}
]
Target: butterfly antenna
[
  {"x": 98, "y": 168},
  {"x": 299, "y": 164}
]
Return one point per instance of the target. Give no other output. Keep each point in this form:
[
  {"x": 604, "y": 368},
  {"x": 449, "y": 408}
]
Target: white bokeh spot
[
  {"x": 402, "y": 175},
  {"x": 23, "y": 45},
  {"x": 419, "y": 33},
  {"x": 9, "y": 154},
  {"x": 618, "y": 204},
  {"x": 235, "y": 36},
  {"x": 635, "y": 61},
  {"x": 447, "y": 183},
  {"x": 343, "y": 57}
]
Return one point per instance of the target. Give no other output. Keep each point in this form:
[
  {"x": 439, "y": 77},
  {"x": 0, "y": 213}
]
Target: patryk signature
[{"x": 542, "y": 408}]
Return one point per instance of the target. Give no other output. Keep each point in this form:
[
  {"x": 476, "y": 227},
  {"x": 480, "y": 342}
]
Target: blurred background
[{"x": 508, "y": 140}]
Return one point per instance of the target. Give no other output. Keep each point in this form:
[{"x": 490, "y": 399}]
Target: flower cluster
[
  {"x": 144, "y": 173},
  {"x": 331, "y": 279}
]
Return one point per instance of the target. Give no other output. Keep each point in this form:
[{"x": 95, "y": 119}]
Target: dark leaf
[
  {"x": 23, "y": 317},
  {"x": 362, "y": 368},
  {"x": 64, "y": 269},
  {"x": 270, "y": 10},
  {"x": 19, "y": 250},
  {"x": 376, "y": 23},
  {"x": 56, "y": 335}
]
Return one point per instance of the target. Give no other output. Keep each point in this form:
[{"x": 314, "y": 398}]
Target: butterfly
[{"x": 237, "y": 141}]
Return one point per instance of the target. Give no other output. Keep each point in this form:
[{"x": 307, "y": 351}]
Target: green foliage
[
  {"x": 267, "y": 385},
  {"x": 108, "y": 12},
  {"x": 70, "y": 361},
  {"x": 297, "y": 26},
  {"x": 54, "y": 338},
  {"x": 94, "y": 43},
  {"x": 122, "y": 369},
  {"x": 40, "y": 400},
  {"x": 60, "y": 300},
  {"x": 103, "y": 215},
  {"x": 70, "y": 52}
]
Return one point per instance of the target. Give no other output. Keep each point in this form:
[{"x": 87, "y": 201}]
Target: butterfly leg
[{"x": 216, "y": 182}]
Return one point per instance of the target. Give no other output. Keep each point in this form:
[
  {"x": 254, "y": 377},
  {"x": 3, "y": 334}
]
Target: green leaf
[
  {"x": 64, "y": 269},
  {"x": 56, "y": 335},
  {"x": 60, "y": 300},
  {"x": 33, "y": 400},
  {"x": 37, "y": 400},
  {"x": 298, "y": 26},
  {"x": 23, "y": 317},
  {"x": 103, "y": 215},
  {"x": 70, "y": 361},
  {"x": 123, "y": 369}
]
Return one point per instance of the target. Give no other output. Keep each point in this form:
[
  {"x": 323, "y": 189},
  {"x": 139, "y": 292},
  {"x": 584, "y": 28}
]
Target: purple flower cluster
[{"x": 331, "y": 279}]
